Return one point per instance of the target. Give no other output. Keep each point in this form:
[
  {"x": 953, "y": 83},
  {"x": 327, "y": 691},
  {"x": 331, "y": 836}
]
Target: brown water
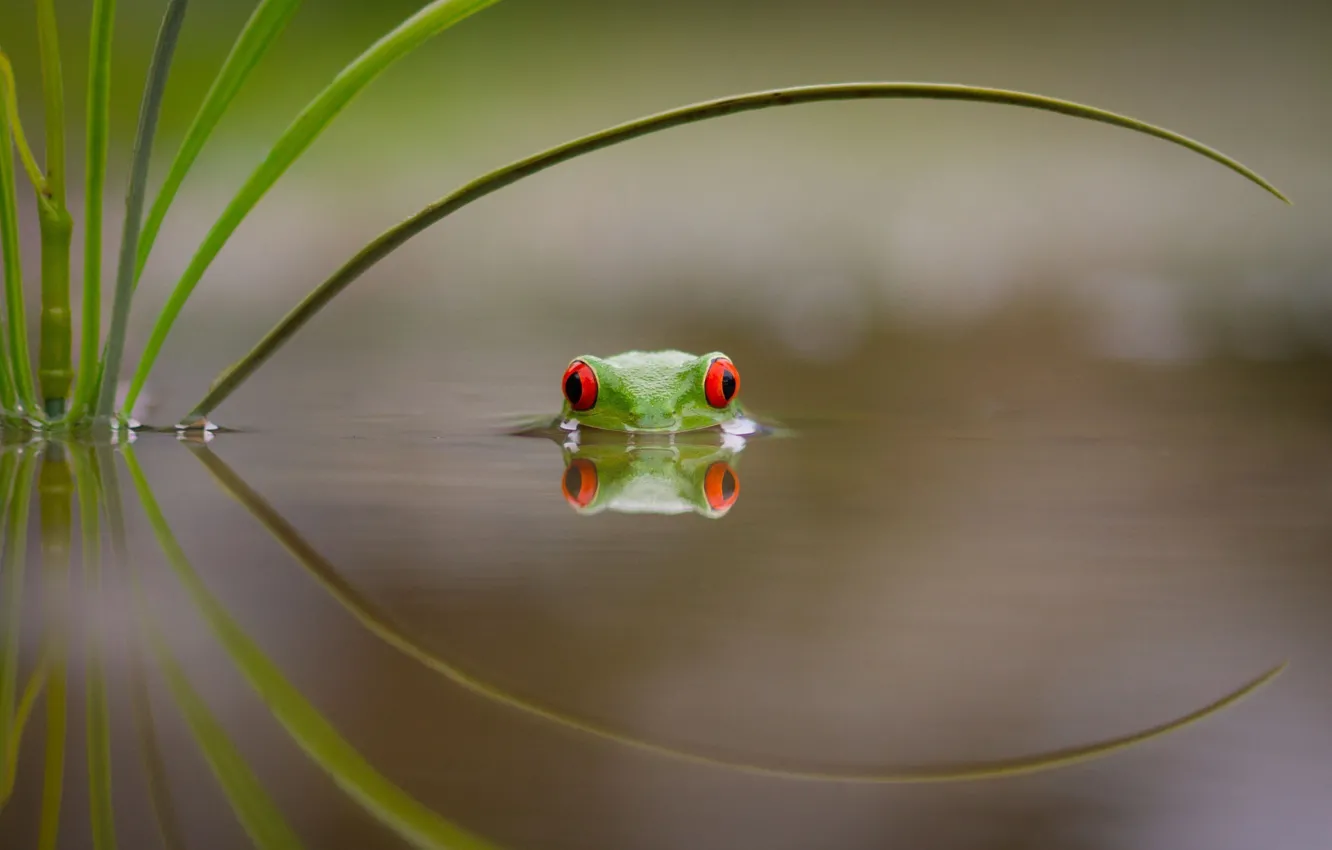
[{"x": 973, "y": 549}]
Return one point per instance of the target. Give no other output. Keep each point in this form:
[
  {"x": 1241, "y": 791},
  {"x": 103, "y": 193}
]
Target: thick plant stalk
[
  {"x": 268, "y": 20},
  {"x": 99, "y": 119},
  {"x": 55, "y": 499},
  {"x": 54, "y": 372},
  {"x": 18, "y": 362},
  {"x": 393, "y": 238},
  {"x": 317, "y": 115},
  {"x": 149, "y": 110}
]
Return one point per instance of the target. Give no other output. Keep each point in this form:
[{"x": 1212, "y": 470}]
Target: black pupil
[
  {"x": 573, "y": 387},
  {"x": 728, "y": 486},
  {"x": 573, "y": 481},
  {"x": 728, "y": 384}
]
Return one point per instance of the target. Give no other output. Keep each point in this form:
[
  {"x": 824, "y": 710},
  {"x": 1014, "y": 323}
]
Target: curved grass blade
[
  {"x": 383, "y": 628},
  {"x": 268, "y": 20},
  {"x": 393, "y": 238},
  {"x": 18, "y": 362},
  {"x": 164, "y": 809},
  {"x": 307, "y": 727},
  {"x": 9, "y": 96},
  {"x": 97, "y": 709},
  {"x": 98, "y": 127},
  {"x": 258, "y": 814},
  {"x": 150, "y": 108},
  {"x": 317, "y": 115},
  {"x": 55, "y": 499}
]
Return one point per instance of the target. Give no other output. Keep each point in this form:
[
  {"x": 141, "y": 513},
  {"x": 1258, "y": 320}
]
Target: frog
[
  {"x": 655, "y": 477},
  {"x": 654, "y": 392}
]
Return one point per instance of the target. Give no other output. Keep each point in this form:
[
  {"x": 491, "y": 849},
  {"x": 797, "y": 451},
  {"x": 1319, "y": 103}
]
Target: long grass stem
[
  {"x": 18, "y": 362},
  {"x": 98, "y": 126},
  {"x": 55, "y": 501},
  {"x": 158, "y": 69}
]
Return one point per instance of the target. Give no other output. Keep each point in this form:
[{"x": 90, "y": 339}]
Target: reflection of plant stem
[
  {"x": 307, "y": 727},
  {"x": 31, "y": 691},
  {"x": 15, "y": 491},
  {"x": 144, "y": 725},
  {"x": 55, "y": 500},
  {"x": 379, "y": 625},
  {"x": 98, "y": 712}
]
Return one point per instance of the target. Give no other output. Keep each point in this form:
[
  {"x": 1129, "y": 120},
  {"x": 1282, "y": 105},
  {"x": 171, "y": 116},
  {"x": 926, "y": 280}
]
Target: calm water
[{"x": 968, "y": 552}]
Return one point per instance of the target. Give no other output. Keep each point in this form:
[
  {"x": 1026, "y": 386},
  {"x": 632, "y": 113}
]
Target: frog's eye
[
  {"x": 721, "y": 487},
  {"x": 580, "y": 482},
  {"x": 722, "y": 383},
  {"x": 580, "y": 385}
]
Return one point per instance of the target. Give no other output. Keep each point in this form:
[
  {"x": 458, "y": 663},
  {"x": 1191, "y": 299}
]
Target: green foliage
[
  {"x": 309, "y": 124},
  {"x": 269, "y": 19}
]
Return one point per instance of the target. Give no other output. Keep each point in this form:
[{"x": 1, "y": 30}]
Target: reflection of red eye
[
  {"x": 722, "y": 383},
  {"x": 580, "y": 482},
  {"x": 580, "y": 385},
  {"x": 720, "y": 486}
]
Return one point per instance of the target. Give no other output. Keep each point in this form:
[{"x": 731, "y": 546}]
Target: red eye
[
  {"x": 722, "y": 383},
  {"x": 580, "y": 385},
  {"x": 580, "y": 482},
  {"x": 720, "y": 486}
]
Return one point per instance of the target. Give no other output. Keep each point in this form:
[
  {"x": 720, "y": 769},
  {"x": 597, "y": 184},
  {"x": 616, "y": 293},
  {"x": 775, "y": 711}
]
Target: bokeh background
[{"x": 1064, "y": 393}]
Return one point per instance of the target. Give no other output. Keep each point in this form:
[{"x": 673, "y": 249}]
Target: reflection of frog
[
  {"x": 654, "y": 392},
  {"x": 652, "y": 477}
]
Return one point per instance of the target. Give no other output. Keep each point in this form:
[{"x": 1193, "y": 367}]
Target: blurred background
[{"x": 1063, "y": 396}]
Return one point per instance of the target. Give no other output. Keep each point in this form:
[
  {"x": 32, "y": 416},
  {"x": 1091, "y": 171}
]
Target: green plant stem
[
  {"x": 267, "y": 21},
  {"x": 317, "y": 115},
  {"x": 149, "y": 109},
  {"x": 308, "y": 728},
  {"x": 98, "y": 712},
  {"x": 99, "y": 120},
  {"x": 55, "y": 500},
  {"x": 393, "y": 238},
  {"x": 18, "y": 361},
  {"x": 55, "y": 371},
  {"x": 381, "y": 627}
]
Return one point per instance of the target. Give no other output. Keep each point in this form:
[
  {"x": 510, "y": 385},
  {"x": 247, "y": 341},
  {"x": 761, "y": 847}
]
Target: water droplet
[{"x": 201, "y": 424}]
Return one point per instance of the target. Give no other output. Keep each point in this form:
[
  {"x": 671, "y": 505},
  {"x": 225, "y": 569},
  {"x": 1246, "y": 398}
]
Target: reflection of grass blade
[
  {"x": 16, "y": 477},
  {"x": 308, "y": 728},
  {"x": 317, "y": 115},
  {"x": 393, "y": 238},
  {"x": 98, "y": 713},
  {"x": 253, "y": 807},
  {"x": 31, "y": 691},
  {"x": 265, "y": 23},
  {"x": 380, "y": 625},
  {"x": 163, "y": 807},
  {"x": 149, "y": 109},
  {"x": 55, "y": 500}
]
